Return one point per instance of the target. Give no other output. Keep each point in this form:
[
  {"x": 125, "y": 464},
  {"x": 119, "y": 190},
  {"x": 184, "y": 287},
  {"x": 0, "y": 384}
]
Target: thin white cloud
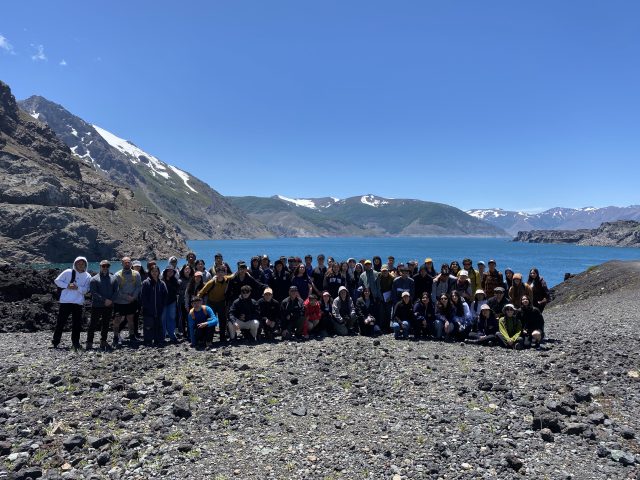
[
  {"x": 63, "y": 63},
  {"x": 6, "y": 46},
  {"x": 39, "y": 56}
]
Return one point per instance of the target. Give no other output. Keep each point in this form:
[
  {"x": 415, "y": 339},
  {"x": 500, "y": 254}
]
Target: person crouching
[{"x": 202, "y": 323}]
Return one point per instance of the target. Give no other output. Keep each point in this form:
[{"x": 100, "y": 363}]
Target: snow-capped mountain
[
  {"x": 191, "y": 204},
  {"x": 557, "y": 218}
]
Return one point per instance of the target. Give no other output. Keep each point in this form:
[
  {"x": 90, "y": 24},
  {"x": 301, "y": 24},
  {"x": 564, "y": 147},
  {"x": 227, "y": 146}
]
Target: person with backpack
[
  {"x": 104, "y": 289},
  {"x": 126, "y": 303},
  {"x": 73, "y": 284},
  {"x": 202, "y": 323}
]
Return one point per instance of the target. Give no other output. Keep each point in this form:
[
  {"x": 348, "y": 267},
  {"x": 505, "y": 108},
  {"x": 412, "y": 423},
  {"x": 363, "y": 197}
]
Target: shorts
[{"x": 126, "y": 308}]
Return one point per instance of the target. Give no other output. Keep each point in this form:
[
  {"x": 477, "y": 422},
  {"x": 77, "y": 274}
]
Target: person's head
[
  {"x": 367, "y": 264},
  {"x": 499, "y": 292},
  {"x": 377, "y": 261},
  {"x": 533, "y": 275},
  {"x": 196, "y": 302},
  {"x": 326, "y": 297},
  {"x": 480, "y": 266},
  {"x": 267, "y": 294},
  {"x": 320, "y": 259},
  {"x": 509, "y": 310},
  {"x": 220, "y": 271},
  {"x": 428, "y": 262},
  {"x": 352, "y": 263},
  {"x": 126, "y": 263},
  {"x": 265, "y": 262},
  {"x": 467, "y": 264},
  {"x": 485, "y": 311},
  {"x": 169, "y": 271},
  {"x": 80, "y": 264},
  {"x": 137, "y": 266},
  {"x": 242, "y": 269},
  {"x": 335, "y": 267},
  {"x": 278, "y": 265},
  {"x": 366, "y": 292},
  {"x": 406, "y": 297},
  {"x": 150, "y": 263},
  {"x": 454, "y": 267},
  {"x": 313, "y": 299},
  {"x": 308, "y": 260},
  {"x": 517, "y": 278},
  {"x": 173, "y": 261},
  {"x": 293, "y": 291},
  {"x": 200, "y": 265},
  {"x": 154, "y": 272},
  {"x": 423, "y": 270},
  {"x": 492, "y": 265},
  {"x": 330, "y": 261},
  {"x": 344, "y": 267},
  {"x": 217, "y": 259},
  {"x": 404, "y": 270},
  {"x": 524, "y": 301},
  {"x": 480, "y": 295},
  {"x": 508, "y": 273},
  {"x": 444, "y": 269},
  {"x": 443, "y": 301},
  {"x": 426, "y": 298},
  {"x": 391, "y": 260},
  {"x": 358, "y": 268},
  {"x": 455, "y": 297},
  {"x": 191, "y": 257},
  {"x": 245, "y": 291},
  {"x": 463, "y": 275},
  {"x": 342, "y": 293},
  {"x": 197, "y": 277},
  {"x": 255, "y": 262},
  {"x": 384, "y": 271},
  {"x": 104, "y": 267},
  {"x": 301, "y": 271},
  {"x": 186, "y": 271}
]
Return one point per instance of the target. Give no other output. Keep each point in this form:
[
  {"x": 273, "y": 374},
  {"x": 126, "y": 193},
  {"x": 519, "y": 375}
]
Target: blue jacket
[
  {"x": 153, "y": 297},
  {"x": 205, "y": 314}
]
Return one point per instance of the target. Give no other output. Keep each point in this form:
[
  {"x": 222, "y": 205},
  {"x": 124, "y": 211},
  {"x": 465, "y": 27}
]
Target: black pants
[
  {"x": 220, "y": 309},
  {"x": 100, "y": 317},
  {"x": 480, "y": 339},
  {"x": 65, "y": 310}
]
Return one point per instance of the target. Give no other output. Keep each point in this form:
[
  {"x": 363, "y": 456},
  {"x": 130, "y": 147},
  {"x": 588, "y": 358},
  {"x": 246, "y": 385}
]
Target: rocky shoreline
[
  {"x": 623, "y": 233},
  {"x": 347, "y": 408}
]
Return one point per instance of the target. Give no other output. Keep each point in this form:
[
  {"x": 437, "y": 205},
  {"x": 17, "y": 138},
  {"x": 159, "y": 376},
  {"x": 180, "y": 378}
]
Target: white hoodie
[{"x": 83, "y": 281}]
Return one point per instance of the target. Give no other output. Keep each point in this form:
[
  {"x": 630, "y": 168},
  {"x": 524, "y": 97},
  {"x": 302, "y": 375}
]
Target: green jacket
[{"x": 510, "y": 327}]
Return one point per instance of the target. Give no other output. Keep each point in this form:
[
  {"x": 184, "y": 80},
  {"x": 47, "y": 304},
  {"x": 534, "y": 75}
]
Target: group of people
[{"x": 295, "y": 298}]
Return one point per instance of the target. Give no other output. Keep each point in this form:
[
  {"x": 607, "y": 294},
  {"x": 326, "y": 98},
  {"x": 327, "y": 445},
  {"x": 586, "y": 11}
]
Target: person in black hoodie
[
  {"x": 170, "y": 311},
  {"x": 365, "y": 307},
  {"x": 255, "y": 270},
  {"x": 153, "y": 298},
  {"x": 239, "y": 280},
  {"x": 244, "y": 314},
  {"x": 487, "y": 328},
  {"x": 280, "y": 282},
  {"x": 425, "y": 314},
  {"x": 269, "y": 314},
  {"x": 532, "y": 323},
  {"x": 422, "y": 282}
]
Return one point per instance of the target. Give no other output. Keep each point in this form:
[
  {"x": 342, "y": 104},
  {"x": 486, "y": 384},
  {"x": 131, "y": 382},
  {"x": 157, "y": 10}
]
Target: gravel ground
[{"x": 340, "y": 408}]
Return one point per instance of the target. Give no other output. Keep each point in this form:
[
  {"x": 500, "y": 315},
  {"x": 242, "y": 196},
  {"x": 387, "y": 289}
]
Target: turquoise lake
[{"x": 552, "y": 260}]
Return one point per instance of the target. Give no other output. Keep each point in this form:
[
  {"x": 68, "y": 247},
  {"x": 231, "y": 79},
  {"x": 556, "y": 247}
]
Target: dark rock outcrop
[
  {"x": 54, "y": 206},
  {"x": 623, "y": 233}
]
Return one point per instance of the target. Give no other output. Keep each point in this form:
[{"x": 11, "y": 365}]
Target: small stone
[
  {"x": 547, "y": 435},
  {"x": 293, "y": 380},
  {"x": 103, "y": 459},
  {"x": 5, "y": 448},
  {"x": 575, "y": 428},
  {"x": 622, "y": 457},
  {"x": 312, "y": 458},
  {"x": 132, "y": 395},
  {"x": 397, "y": 477},
  {"x": 466, "y": 466},
  {"x": 582, "y": 395},
  {"x": 74, "y": 441},
  {"x": 595, "y": 392},
  {"x": 597, "y": 418},
  {"x": 97, "y": 442},
  {"x": 514, "y": 462},
  {"x": 182, "y": 409},
  {"x": 300, "y": 411},
  {"x": 185, "y": 447},
  {"x": 603, "y": 451},
  {"x": 376, "y": 343},
  {"x": 627, "y": 433},
  {"x": 66, "y": 466},
  {"x": 243, "y": 367},
  {"x": 485, "y": 385}
]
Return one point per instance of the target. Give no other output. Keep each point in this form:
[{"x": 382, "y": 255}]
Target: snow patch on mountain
[
  {"x": 35, "y": 115},
  {"x": 184, "y": 176},
  {"x": 300, "y": 202},
  {"x": 373, "y": 201}
]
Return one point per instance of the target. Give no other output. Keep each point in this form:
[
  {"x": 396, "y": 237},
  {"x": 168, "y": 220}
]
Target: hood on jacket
[{"x": 77, "y": 260}]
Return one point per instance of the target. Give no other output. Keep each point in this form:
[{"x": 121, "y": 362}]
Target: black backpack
[{"x": 73, "y": 279}]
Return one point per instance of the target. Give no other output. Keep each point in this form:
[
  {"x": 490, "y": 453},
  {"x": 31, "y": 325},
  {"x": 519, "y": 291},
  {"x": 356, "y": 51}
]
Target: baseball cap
[{"x": 105, "y": 262}]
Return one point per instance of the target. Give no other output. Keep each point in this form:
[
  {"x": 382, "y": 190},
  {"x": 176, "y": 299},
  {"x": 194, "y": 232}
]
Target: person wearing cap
[
  {"x": 498, "y": 301},
  {"x": 173, "y": 261},
  {"x": 518, "y": 289},
  {"x": 344, "y": 313},
  {"x": 153, "y": 299},
  {"x": 202, "y": 322},
  {"x": 510, "y": 328},
  {"x": 479, "y": 299},
  {"x": 170, "y": 311},
  {"x": 280, "y": 281},
  {"x": 431, "y": 271},
  {"x": 269, "y": 314},
  {"x": 425, "y": 315},
  {"x": 292, "y": 314},
  {"x": 492, "y": 279},
  {"x": 481, "y": 268},
  {"x": 462, "y": 285},
  {"x": 403, "y": 317},
  {"x": 532, "y": 322},
  {"x": 402, "y": 283},
  {"x": 443, "y": 283},
  {"x": 104, "y": 289},
  {"x": 214, "y": 292},
  {"x": 474, "y": 277},
  {"x": 317, "y": 276},
  {"x": 126, "y": 302},
  {"x": 487, "y": 327},
  {"x": 244, "y": 314}
]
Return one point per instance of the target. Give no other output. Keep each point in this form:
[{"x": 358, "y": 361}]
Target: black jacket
[
  {"x": 244, "y": 306},
  {"x": 290, "y": 312}
]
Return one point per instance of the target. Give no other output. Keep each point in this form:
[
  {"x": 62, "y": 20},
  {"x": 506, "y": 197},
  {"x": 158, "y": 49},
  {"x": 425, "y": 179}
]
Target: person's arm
[
  {"x": 232, "y": 312},
  {"x": 138, "y": 286},
  {"x": 418, "y": 314},
  {"x": 336, "y": 311},
  {"x": 212, "y": 319},
  {"x": 95, "y": 293},
  {"x": 205, "y": 289},
  {"x": 503, "y": 330},
  {"x": 63, "y": 280},
  {"x": 353, "y": 308}
]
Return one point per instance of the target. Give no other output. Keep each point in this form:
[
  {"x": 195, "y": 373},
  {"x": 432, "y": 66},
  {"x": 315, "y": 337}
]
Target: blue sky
[{"x": 519, "y": 105}]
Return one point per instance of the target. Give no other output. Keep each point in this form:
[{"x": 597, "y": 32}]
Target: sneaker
[{"x": 88, "y": 346}]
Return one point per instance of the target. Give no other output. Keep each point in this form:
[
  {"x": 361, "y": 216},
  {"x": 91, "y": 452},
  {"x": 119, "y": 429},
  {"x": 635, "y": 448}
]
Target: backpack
[{"x": 73, "y": 279}]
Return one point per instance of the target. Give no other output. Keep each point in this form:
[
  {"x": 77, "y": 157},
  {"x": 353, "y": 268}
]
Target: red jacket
[{"x": 312, "y": 312}]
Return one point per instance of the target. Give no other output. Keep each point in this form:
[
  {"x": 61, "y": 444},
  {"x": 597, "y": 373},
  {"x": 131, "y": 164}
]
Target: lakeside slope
[{"x": 623, "y": 233}]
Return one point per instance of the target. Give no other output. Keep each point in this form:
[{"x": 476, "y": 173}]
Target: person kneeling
[
  {"x": 201, "y": 323},
  {"x": 312, "y": 315},
  {"x": 510, "y": 328},
  {"x": 532, "y": 323},
  {"x": 487, "y": 327},
  {"x": 403, "y": 317},
  {"x": 244, "y": 314}
]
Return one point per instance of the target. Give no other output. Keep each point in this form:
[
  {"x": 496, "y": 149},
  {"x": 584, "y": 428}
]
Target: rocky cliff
[
  {"x": 623, "y": 233},
  {"x": 53, "y": 206}
]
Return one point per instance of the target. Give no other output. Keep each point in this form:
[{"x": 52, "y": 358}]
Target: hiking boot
[{"x": 88, "y": 346}]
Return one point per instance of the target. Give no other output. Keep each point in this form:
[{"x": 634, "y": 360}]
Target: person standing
[
  {"x": 104, "y": 289},
  {"x": 214, "y": 291},
  {"x": 170, "y": 311},
  {"x": 74, "y": 283},
  {"x": 153, "y": 299},
  {"x": 126, "y": 303},
  {"x": 492, "y": 279}
]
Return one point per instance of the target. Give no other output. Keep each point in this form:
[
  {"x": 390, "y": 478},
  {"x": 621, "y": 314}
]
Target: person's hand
[
  {"x": 108, "y": 303},
  {"x": 242, "y": 317},
  {"x": 130, "y": 298},
  {"x": 202, "y": 325},
  {"x": 424, "y": 323},
  {"x": 237, "y": 327},
  {"x": 72, "y": 286}
]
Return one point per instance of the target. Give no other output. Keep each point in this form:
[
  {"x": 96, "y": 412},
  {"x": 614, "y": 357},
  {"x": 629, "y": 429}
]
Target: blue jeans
[
  {"x": 397, "y": 332},
  {"x": 438, "y": 327},
  {"x": 169, "y": 320}
]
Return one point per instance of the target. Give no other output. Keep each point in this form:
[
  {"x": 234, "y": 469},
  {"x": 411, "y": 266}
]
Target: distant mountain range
[
  {"x": 199, "y": 211},
  {"x": 361, "y": 215},
  {"x": 555, "y": 218}
]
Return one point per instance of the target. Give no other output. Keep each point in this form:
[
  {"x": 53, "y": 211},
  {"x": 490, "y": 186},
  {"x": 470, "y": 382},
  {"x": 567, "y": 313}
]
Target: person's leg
[
  {"x": 519, "y": 343},
  {"x": 305, "y": 327},
  {"x": 405, "y": 329},
  {"x": 131, "y": 325},
  {"x": 117, "y": 318},
  {"x": 94, "y": 320},
  {"x": 147, "y": 330},
  {"x": 105, "y": 321},
  {"x": 64, "y": 310},
  {"x": 396, "y": 330},
  {"x": 221, "y": 312},
  {"x": 76, "y": 324},
  {"x": 340, "y": 328},
  {"x": 502, "y": 339},
  {"x": 158, "y": 332},
  {"x": 171, "y": 322},
  {"x": 231, "y": 330},
  {"x": 300, "y": 326},
  {"x": 438, "y": 328},
  {"x": 254, "y": 326}
]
